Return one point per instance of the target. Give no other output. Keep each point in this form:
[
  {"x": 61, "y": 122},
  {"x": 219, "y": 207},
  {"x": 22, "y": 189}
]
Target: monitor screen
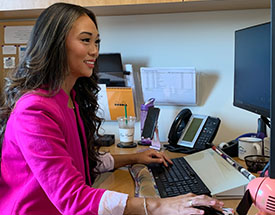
[
  {"x": 192, "y": 130},
  {"x": 252, "y": 69}
]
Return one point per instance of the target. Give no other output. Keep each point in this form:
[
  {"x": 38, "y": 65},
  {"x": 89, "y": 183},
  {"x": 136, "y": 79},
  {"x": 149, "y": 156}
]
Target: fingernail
[{"x": 201, "y": 212}]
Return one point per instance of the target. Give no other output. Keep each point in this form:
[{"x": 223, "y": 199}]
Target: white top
[{"x": 111, "y": 202}]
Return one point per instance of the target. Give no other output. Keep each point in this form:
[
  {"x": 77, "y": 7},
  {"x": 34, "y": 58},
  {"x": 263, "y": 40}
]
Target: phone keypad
[{"x": 206, "y": 135}]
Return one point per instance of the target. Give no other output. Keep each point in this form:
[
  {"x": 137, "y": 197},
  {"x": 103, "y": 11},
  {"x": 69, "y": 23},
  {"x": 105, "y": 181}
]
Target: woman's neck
[{"x": 67, "y": 86}]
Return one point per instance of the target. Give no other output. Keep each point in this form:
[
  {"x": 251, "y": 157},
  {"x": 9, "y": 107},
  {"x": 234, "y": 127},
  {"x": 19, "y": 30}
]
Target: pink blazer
[{"x": 42, "y": 167}]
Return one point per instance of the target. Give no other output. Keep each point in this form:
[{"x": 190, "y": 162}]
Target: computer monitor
[
  {"x": 272, "y": 114},
  {"x": 252, "y": 69}
]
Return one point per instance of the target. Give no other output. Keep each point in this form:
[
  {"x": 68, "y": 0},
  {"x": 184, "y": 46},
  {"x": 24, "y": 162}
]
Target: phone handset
[{"x": 178, "y": 125}]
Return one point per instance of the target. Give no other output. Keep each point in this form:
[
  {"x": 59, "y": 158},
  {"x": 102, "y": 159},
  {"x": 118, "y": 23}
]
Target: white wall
[{"x": 201, "y": 39}]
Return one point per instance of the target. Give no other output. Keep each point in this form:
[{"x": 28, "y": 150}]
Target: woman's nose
[{"x": 93, "y": 50}]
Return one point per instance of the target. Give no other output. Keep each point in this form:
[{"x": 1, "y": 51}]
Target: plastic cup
[{"x": 126, "y": 129}]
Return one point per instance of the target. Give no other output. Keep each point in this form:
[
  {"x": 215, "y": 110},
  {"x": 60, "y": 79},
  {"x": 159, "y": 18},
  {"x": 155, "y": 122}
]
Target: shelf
[
  {"x": 179, "y": 7},
  {"x": 15, "y": 9}
]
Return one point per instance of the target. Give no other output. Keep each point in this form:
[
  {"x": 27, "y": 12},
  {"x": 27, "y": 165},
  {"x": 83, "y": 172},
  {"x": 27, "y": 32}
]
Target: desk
[{"x": 121, "y": 181}]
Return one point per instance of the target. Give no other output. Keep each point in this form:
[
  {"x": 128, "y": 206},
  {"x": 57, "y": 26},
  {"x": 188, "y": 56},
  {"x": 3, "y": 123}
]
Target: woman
[{"x": 49, "y": 128}]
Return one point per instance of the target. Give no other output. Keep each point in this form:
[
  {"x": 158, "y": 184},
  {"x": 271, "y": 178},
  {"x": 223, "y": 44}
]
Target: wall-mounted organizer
[
  {"x": 13, "y": 39},
  {"x": 169, "y": 85}
]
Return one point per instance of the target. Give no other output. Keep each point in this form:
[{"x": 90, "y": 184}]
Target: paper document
[
  {"x": 8, "y": 50},
  {"x": 169, "y": 86},
  {"x": 103, "y": 110},
  {"x": 17, "y": 34}
]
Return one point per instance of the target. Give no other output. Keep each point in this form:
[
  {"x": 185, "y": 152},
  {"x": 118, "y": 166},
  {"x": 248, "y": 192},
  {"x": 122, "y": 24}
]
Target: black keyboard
[{"x": 177, "y": 179}]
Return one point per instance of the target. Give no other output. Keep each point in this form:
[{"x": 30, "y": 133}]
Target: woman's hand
[
  {"x": 182, "y": 205},
  {"x": 152, "y": 156}
]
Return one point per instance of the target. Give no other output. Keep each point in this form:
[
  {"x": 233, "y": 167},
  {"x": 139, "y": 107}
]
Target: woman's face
[{"x": 82, "y": 47}]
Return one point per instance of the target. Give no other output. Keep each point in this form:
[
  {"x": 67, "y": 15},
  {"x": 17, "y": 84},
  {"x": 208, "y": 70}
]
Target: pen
[
  {"x": 217, "y": 150},
  {"x": 224, "y": 156},
  {"x": 246, "y": 173},
  {"x": 242, "y": 170}
]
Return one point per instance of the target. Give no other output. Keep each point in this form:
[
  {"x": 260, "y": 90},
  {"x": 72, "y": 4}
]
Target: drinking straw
[{"x": 125, "y": 110}]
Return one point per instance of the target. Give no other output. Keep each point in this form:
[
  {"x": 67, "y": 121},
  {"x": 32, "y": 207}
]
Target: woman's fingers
[
  {"x": 167, "y": 159},
  {"x": 203, "y": 200},
  {"x": 163, "y": 158}
]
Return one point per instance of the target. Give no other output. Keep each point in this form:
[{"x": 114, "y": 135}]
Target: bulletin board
[{"x": 13, "y": 40}]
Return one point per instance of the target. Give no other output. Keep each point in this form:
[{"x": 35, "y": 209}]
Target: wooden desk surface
[{"x": 121, "y": 181}]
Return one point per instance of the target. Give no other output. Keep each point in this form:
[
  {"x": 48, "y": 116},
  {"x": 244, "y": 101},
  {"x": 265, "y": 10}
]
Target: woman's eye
[
  {"x": 86, "y": 40},
  {"x": 97, "y": 41}
]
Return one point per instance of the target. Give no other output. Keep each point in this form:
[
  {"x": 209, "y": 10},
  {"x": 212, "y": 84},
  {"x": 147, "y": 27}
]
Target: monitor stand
[
  {"x": 262, "y": 122},
  {"x": 261, "y": 131}
]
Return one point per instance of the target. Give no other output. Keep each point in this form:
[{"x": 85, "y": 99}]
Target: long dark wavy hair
[{"x": 45, "y": 66}]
